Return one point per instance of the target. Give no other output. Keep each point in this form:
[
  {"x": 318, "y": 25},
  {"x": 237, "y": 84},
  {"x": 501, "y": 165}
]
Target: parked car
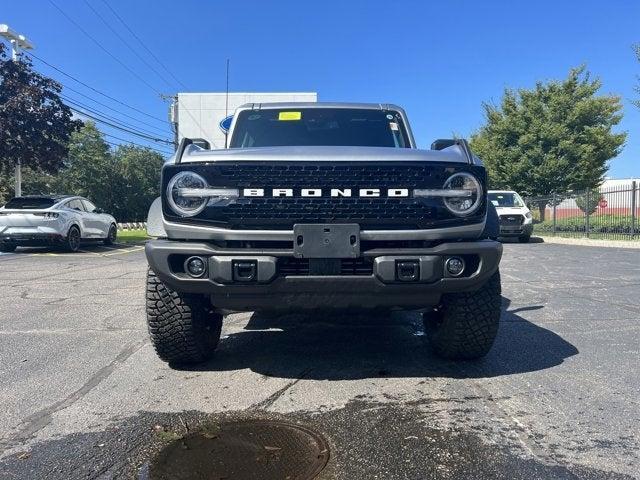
[
  {"x": 53, "y": 220},
  {"x": 515, "y": 218},
  {"x": 322, "y": 205}
]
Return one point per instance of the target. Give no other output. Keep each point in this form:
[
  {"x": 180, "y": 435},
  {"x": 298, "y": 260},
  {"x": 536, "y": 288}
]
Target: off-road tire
[
  {"x": 72, "y": 241},
  {"x": 524, "y": 238},
  {"x": 465, "y": 325},
  {"x": 7, "y": 247},
  {"x": 184, "y": 329},
  {"x": 112, "y": 235}
]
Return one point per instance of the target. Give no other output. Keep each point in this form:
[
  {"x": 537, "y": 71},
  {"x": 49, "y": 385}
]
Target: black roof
[{"x": 56, "y": 197}]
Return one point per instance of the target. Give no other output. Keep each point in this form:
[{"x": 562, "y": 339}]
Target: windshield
[
  {"x": 319, "y": 126},
  {"x": 506, "y": 200},
  {"x": 30, "y": 203}
]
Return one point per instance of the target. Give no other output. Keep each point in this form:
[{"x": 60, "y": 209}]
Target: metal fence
[{"x": 606, "y": 213}]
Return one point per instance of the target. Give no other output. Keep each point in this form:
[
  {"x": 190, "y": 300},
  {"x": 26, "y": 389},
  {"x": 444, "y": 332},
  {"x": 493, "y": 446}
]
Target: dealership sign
[{"x": 225, "y": 124}]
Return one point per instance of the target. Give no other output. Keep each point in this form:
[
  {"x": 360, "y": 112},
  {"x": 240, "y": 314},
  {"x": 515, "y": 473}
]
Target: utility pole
[
  {"x": 18, "y": 43},
  {"x": 173, "y": 116}
]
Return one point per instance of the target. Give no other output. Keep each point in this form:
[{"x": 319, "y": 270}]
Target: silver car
[{"x": 53, "y": 220}]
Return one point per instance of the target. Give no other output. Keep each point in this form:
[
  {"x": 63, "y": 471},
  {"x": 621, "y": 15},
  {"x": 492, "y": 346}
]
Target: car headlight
[
  {"x": 528, "y": 215},
  {"x": 188, "y": 194},
  {"x": 186, "y": 205},
  {"x": 466, "y": 193}
]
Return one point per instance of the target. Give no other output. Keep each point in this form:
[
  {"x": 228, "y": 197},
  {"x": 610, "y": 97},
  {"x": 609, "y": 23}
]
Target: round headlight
[
  {"x": 186, "y": 206},
  {"x": 466, "y": 193}
]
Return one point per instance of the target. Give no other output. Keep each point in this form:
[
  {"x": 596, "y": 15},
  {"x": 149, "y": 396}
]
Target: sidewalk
[{"x": 590, "y": 242}]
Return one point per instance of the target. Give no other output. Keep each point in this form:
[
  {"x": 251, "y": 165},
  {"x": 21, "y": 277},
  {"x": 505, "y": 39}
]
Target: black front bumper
[
  {"x": 275, "y": 288},
  {"x": 516, "y": 230}
]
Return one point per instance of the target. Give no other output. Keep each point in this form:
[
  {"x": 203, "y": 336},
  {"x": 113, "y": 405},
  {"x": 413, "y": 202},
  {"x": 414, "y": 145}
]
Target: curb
[{"x": 587, "y": 242}]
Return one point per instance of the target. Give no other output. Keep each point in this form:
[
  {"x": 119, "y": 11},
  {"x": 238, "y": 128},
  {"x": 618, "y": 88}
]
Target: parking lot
[{"x": 84, "y": 396}]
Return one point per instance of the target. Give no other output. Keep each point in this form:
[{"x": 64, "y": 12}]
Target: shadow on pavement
[
  {"x": 341, "y": 346},
  {"x": 89, "y": 247},
  {"x": 515, "y": 240}
]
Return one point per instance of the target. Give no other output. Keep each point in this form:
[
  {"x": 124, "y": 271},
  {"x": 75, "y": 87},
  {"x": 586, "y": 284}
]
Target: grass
[{"x": 132, "y": 236}]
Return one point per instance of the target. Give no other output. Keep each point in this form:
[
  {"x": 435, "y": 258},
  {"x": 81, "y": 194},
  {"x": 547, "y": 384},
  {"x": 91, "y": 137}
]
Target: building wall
[{"x": 198, "y": 114}]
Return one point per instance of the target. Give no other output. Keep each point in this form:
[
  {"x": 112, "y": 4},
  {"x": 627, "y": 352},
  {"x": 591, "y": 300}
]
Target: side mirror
[{"x": 98, "y": 210}]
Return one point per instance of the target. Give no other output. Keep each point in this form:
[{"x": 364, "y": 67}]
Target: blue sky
[{"x": 440, "y": 60}]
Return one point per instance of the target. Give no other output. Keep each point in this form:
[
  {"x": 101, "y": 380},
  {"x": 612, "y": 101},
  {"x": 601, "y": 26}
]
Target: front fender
[{"x": 155, "y": 228}]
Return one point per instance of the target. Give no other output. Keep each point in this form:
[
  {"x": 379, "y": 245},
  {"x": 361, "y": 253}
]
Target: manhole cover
[{"x": 256, "y": 449}]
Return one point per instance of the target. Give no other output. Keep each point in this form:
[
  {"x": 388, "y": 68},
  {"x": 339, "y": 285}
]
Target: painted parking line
[{"x": 79, "y": 254}]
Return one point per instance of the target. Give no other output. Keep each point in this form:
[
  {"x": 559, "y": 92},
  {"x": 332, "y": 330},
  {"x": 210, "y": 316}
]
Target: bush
[
  {"x": 588, "y": 201},
  {"x": 606, "y": 223}
]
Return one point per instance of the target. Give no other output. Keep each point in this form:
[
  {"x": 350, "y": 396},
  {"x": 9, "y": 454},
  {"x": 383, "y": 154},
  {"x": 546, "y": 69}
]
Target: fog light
[
  {"x": 454, "y": 266},
  {"x": 196, "y": 266}
]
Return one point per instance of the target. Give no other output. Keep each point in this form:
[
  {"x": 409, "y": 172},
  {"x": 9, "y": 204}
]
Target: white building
[{"x": 198, "y": 115}]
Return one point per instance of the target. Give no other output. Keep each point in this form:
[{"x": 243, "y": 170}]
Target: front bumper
[
  {"x": 274, "y": 289},
  {"x": 516, "y": 230}
]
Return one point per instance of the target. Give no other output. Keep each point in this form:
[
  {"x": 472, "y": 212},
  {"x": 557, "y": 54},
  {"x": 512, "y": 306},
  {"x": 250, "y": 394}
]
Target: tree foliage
[
  {"x": 555, "y": 137},
  {"x": 589, "y": 200},
  {"x": 35, "y": 125}
]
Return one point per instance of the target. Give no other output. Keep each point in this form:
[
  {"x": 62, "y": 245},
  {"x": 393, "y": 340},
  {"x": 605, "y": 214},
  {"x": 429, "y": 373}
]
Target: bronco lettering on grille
[{"x": 333, "y": 192}]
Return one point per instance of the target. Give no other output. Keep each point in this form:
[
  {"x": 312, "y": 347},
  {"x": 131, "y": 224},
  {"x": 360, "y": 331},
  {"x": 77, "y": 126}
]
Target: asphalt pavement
[{"x": 82, "y": 394}]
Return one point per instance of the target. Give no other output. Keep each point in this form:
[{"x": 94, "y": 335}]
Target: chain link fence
[{"x": 605, "y": 213}]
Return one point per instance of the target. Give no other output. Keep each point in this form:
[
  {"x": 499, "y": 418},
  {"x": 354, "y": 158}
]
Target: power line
[
  {"x": 94, "y": 89},
  {"x": 88, "y": 35},
  {"x": 166, "y": 152},
  {"x": 143, "y": 45},
  {"x": 114, "y": 144},
  {"x": 114, "y": 31},
  {"x": 108, "y": 117},
  {"x": 117, "y": 127},
  {"x": 77, "y": 92}
]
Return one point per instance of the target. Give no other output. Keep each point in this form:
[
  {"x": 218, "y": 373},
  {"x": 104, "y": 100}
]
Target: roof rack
[{"x": 443, "y": 143}]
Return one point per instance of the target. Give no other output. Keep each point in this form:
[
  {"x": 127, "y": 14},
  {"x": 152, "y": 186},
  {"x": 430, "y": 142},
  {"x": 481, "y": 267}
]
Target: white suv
[{"x": 515, "y": 218}]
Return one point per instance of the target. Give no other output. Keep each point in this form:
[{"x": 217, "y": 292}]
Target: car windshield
[
  {"x": 30, "y": 203},
  {"x": 506, "y": 199},
  {"x": 319, "y": 126}
]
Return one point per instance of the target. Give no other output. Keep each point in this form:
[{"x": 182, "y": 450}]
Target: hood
[{"x": 194, "y": 153}]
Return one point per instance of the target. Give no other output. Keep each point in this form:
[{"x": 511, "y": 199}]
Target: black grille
[
  {"x": 511, "y": 220},
  {"x": 290, "y": 266},
  {"x": 370, "y": 212},
  {"x": 346, "y": 175},
  {"x": 356, "y": 266}
]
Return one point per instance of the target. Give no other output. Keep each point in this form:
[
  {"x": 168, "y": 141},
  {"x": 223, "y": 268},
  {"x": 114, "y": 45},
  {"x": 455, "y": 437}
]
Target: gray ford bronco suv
[{"x": 322, "y": 205}]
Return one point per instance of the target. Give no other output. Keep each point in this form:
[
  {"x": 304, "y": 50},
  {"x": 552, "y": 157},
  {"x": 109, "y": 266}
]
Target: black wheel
[
  {"x": 465, "y": 325},
  {"x": 524, "y": 238},
  {"x": 7, "y": 247},
  {"x": 183, "y": 329},
  {"x": 72, "y": 242},
  {"x": 113, "y": 234}
]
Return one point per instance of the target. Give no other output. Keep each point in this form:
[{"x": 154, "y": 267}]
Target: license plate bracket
[{"x": 326, "y": 240}]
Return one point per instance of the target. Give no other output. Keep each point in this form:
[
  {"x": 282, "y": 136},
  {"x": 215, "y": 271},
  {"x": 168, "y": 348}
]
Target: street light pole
[{"x": 18, "y": 43}]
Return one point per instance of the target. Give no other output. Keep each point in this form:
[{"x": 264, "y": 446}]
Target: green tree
[
  {"x": 555, "y": 137},
  {"x": 90, "y": 169},
  {"x": 139, "y": 172},
  {"x": 589, "y": 200},
  {"x": 35, "y": 125}
]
